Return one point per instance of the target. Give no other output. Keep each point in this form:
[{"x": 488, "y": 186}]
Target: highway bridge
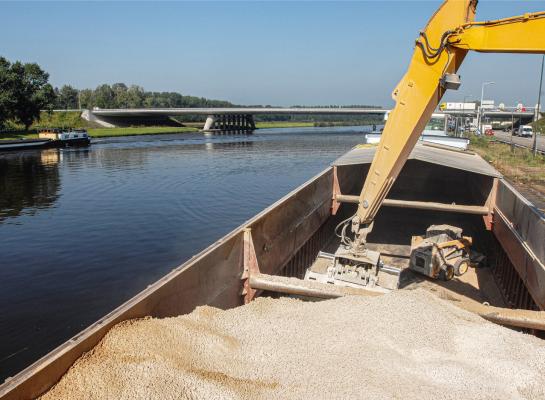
[
  {"x": 242, "y": 118},
  {"x": 233, "y": 118}
]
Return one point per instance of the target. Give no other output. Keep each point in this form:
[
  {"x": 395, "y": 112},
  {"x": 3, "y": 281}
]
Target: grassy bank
[
  {"x": 109, "y": 132},
  {"x": 18, "y": 135},
  {"x": 539, "y": 125},
  {"x": 66, "y": 119},
  {"x": 300, "y": 124},
  {"x": 517, "y": 164},
  {"x": 347, "y": 123},
  {"x": 147, "y": 130}
]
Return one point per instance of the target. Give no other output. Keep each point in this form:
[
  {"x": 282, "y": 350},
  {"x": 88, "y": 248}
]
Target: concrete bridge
[
  {"x": 504, "y": 114},
  {"x": 235, "y": 118},
  {"x": 242, "y": 118}
]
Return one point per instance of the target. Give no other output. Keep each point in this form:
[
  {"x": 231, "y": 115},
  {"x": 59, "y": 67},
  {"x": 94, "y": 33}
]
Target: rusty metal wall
[
  {"x": 280, "y": 232},
  {"x": 510, "y": 283},
  {"x": 306, "y": 255},
  {"x": 350, "y": 178},
  {"x": 528, "y": 221},
  {"x": 520, "y": 230}
]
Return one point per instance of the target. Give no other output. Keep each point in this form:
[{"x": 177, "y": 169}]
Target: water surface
[{"x": 83, "y": 230}]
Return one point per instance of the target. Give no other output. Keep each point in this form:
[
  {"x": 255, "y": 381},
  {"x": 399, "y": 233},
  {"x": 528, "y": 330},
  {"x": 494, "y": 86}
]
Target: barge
[
  {"x": 48, "y": 138},
  {"x": 23, "y": 144},
  {"x": 65, "y": 137},
  {"x": 265, "y": 255}
]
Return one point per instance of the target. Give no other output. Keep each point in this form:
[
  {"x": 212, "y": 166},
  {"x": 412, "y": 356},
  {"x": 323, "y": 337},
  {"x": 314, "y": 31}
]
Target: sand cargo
[{"x": 283, "y": 241}]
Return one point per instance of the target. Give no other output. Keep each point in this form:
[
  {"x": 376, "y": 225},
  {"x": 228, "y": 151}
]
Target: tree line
[{"x": 120, "y": 95}]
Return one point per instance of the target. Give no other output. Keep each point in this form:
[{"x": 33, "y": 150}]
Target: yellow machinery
[
  {"x": 439, "y": 51},
  {"x": 442, "y": 253}
]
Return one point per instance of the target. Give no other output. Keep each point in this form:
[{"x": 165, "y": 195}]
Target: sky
[{"x": 253, "y": 52}]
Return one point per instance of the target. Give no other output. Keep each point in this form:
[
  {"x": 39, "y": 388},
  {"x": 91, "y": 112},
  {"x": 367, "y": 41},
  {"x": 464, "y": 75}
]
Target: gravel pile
[{"x": 406, "y": 345}]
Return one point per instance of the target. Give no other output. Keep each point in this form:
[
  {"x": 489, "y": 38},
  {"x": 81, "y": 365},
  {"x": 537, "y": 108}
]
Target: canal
[{"x": 83, "y": 230}]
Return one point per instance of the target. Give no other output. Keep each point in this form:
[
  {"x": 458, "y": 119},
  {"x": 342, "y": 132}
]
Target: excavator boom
[
  {"x": 439, "y": 52},
  {"x": 520, "y": 34}
]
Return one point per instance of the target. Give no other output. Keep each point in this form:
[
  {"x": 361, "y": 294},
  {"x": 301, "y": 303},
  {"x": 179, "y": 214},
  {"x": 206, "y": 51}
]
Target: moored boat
[
  {"x": 65, "y": 137},
  {"x": 48, "y": 138},
  {"x": 22, "y": 144}
]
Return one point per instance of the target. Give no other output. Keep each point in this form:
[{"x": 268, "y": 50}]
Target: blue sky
[{"x": 280, "y": 53}]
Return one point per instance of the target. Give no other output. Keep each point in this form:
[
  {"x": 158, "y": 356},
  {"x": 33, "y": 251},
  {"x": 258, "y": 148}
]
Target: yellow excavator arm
[{"x": 439, "y": 52}]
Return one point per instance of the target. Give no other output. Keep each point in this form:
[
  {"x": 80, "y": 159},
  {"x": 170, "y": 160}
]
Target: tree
[
  {"x": 32, "y": 92},
  {"x": 86, "y": 98},
  {"x": 67, "y": 98},
  {"x": 135, "y": 96},
  {"x": 120, "y": 99},
  {"x": 6, "y": 91},
  {"x": 24, "y": 91},
  {"x": 104, "y": 97}
]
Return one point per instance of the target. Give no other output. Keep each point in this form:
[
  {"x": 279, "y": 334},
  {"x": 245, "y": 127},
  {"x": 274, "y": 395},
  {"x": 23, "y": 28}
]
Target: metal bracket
[
  {"x": 490, "y": 203},
  {"x": 250, "y": 266},
  {"x": 450, "y": 81},
  {"x": 336, "y": 191}
]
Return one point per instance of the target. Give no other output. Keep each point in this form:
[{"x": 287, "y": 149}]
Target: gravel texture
[{"x": 406, "y": 345}]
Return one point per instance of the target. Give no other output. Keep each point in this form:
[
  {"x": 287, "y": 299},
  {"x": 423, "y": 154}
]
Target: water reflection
[
  {"x": 29, "y": 181},
  {"x": 127, "y": 158},
  {"x": 227, "y": 145}
]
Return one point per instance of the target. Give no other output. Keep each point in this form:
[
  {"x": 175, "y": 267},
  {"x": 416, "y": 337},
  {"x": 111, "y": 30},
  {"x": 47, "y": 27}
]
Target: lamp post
[
  {"x": 481, "y": 105},
  {"x": 464, "y": 111},
  {"x": 512, "y": 130},
  {"x": 538, "y": 106}
]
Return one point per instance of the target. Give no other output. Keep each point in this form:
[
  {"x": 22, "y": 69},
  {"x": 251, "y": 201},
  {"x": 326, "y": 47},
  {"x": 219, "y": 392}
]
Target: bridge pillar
[
  {"x": 210, "y": 122},
  {"x": 229, "y": 122},
  {"x": 250, "y": 121}
]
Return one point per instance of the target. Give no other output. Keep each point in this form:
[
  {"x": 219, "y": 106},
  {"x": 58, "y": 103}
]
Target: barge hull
[{"x": 284, "y": 240}]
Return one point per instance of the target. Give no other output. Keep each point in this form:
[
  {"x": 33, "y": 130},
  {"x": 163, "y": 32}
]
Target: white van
[{"x": 525, "y": 131}]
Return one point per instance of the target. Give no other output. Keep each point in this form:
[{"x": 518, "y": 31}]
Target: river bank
[
  {"x": 518, "y": 165},
  {"x": 73, "y": 119},
  {"x": 151, "y": 130},
  {"x": 110, "y": 132},
  {"x": 283, "y": 124}
]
